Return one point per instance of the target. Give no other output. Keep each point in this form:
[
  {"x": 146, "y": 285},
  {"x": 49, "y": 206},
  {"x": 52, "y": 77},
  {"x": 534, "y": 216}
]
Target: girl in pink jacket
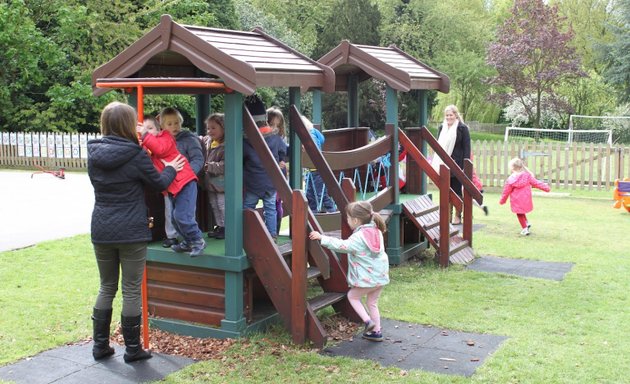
[{"x": 518, "y": 187}]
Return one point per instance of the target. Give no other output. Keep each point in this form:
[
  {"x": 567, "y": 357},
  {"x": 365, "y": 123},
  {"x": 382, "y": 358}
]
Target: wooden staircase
[
  {"x": 286, "y": 270},
  {"x": 425, "y": 215}
]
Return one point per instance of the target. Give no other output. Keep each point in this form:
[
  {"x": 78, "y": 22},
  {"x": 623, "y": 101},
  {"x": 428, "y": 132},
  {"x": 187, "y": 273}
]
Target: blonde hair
[
  {"x": 275, "y": 113},
  {"x": 516, "y": 164},
  {"x": 455, "y": 111},
  {"x": 119, "y": 119},
  {"x": 170, "y": 111},
  {"x": 362, "y": 210}
]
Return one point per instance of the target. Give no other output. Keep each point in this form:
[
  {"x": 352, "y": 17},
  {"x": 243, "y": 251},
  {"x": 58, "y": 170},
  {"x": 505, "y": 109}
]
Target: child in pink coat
[{"x": 518, "y": 187}]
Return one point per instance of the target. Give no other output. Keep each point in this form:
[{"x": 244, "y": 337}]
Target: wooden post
[
  {"x": 445, "y": 214},
  {"x": 467, "y": 205},
  {"x": 299, "y": 218}
]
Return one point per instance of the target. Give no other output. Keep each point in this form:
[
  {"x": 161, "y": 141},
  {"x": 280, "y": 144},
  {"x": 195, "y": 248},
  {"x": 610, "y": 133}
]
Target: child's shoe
[
  {"x": 181, "y": 247},
  {"x": 369, "y": 325},
  {"x": 197, "y": 247},
  {"x": 525, "y": 232},
  {"x": 219, "y": 233},
  {"x": 485, "y": 209},
  {"x": 373, "y": 336},
  {"x": 169, "y": 243},
  {"x": 213, "y": 232}
]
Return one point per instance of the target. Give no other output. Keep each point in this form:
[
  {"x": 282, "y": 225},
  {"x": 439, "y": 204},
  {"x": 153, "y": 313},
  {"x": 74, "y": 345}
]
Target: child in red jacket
[
  {"x": 518, "y": 187},
  {"x": 162, "y": 147}
]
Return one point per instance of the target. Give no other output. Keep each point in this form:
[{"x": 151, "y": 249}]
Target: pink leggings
[
  {"x": 522, "y": 219},
  {"x": 355, "y": 295}
]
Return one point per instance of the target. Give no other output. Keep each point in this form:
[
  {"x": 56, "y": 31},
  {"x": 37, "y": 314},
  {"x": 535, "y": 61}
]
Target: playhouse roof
[
  {"x": 390, "y": 64},
  {"x": 243, "y": 61}
]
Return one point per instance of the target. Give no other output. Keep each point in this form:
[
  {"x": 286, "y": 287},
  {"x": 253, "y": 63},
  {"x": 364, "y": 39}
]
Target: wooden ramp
[{"x": 425, "y": 215}]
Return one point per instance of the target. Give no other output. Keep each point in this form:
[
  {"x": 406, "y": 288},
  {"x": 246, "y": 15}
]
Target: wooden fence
[
  {"x": 585, "y": 166},
  {"x": 45, "y": 149},
  {"x": 576, "y": 166}
]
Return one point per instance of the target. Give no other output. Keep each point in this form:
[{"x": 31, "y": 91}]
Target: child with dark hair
[
  {"x": 215, "y": 172},
  {"x": 257, "y": 183}
]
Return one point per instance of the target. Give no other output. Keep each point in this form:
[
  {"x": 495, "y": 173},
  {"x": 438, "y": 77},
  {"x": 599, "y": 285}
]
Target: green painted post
[
  {"x": 317, "y": 108},
  {"x": 353, "y": 101},
  {"x": 394, "y": 249},
  {"x": 234, "y": 319},
  {"x": 202, "y": 107},
  {"x": 424, "y": 113},
  {"x": 295, "y": 146}
]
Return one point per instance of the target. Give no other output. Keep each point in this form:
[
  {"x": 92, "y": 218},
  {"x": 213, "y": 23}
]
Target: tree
[
  {"x": 617, "y": 53},
  {"x": 532, "y": 56}
]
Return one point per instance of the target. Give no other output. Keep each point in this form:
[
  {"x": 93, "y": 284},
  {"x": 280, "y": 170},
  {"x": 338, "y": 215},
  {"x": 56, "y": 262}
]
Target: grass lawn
[{"x": 572, "y": 331}]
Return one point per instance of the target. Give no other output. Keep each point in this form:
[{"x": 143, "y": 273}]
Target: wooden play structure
[{"x": 247, "y": 281}]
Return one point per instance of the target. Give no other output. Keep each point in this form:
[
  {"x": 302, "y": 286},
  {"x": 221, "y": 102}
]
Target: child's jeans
[
  {"x": 184, "y": 212},
  {"x": 269, "y": 208}
]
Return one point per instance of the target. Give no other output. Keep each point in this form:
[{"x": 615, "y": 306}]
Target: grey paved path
[
  {"x": 527, "y": 268},
  {"x": 74, "y": 365},
  {"x": 415, "y": 346},
  {"x": 43, "y": 207}
]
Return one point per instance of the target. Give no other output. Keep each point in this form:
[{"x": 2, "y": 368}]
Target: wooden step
[
  {"x": 325, "y": 299},
  {"x": 460, "y": 251},
  {"x": 286, "y": 249},
  {"x": 312, "y": 272},
  {"x": 464, "y": 256},
  {"x": 456, "y": 244}
]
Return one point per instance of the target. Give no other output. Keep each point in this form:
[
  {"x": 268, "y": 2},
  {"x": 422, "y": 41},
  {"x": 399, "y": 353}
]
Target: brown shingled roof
[
  {"x": 244, "y": 61},
  {"x": 390, "y": 64}
]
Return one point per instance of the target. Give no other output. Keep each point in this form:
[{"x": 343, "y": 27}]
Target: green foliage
[
  {"x": 353, "y": 20},
  {"x": 617, "y": 53}
]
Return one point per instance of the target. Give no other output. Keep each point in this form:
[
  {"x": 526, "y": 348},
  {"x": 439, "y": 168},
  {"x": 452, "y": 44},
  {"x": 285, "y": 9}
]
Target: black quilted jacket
[{"x": 119, "y": 170}]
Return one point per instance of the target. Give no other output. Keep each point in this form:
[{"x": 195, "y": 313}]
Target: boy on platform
[{"x": 182, "y": 192}]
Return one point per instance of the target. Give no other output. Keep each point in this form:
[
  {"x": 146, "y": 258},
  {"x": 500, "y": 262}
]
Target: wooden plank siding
[{"x": 191, "y": 294}]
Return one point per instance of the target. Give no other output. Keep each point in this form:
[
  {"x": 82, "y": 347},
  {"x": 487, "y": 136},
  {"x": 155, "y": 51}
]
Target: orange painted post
[
  {"x": 145, "y": 298},
  {"x": 299, "y": 233}
]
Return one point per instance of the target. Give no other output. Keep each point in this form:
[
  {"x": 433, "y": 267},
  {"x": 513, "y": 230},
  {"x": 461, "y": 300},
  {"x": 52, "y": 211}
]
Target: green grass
[{"x": 571, "y": 331}]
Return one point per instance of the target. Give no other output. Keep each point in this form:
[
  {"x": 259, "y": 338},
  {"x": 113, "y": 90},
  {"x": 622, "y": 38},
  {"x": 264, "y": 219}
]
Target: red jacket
[
  {"x": 163, "y": 146},
  {"x": 519, "y": 188}
]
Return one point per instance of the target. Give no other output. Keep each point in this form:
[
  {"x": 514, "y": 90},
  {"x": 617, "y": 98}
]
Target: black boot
[
  {"x": 101, "y": 319},
  {"x": 131, "y": 333}
]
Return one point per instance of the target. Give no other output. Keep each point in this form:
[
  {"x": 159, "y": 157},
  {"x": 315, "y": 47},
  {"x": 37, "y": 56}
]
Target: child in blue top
[
  {"x": 368, "y": 264},
  {"x": 257, "y": 183},
  {"x": 315, "y": 188}
]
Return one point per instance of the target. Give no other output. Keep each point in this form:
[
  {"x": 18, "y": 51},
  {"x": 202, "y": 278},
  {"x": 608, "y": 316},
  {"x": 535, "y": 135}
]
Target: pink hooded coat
[{"x": 519, "y": 188}]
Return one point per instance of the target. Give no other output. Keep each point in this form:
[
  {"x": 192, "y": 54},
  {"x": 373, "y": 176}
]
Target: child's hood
[
  {"x": 520, "y": 179},
  {"x": 372, "y": 237}
]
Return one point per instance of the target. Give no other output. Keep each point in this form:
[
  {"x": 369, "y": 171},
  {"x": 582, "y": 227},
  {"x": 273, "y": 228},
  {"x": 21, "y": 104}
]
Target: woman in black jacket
[
  {"x": 454, "y": 138},
  {"x": 119, "y": 170}
]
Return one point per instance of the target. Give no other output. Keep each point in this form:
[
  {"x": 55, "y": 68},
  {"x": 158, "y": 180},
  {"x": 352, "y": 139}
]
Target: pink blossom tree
[{"x": 532, "y": 56}]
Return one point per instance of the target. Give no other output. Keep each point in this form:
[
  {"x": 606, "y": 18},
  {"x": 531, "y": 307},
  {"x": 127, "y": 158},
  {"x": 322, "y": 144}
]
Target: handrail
[
  {"x": 456, "y": 171},
  {"x": 424, "y": 164},
  {"x": 319, "y": 254}
]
